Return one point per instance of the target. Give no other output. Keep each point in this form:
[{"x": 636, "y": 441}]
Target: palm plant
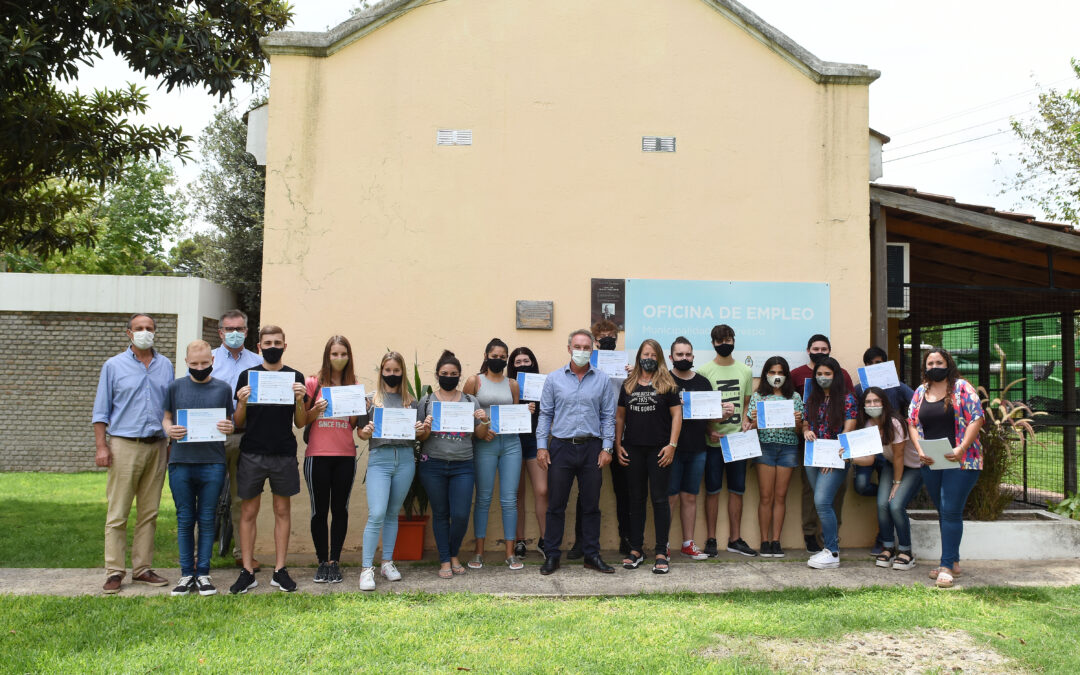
[{"x": 416, "y": 500}]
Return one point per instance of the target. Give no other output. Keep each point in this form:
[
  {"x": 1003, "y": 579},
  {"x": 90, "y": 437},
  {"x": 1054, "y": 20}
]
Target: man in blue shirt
[
  {"x": 577, "y": 412},
  {"x": 129, "y": 406},
  {"x": 231, "y": 359}
]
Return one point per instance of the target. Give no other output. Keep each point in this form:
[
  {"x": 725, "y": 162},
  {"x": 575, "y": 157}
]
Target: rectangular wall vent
[
  {"x": 658, "y": 144},
  {"x": 454, "y": 137}
]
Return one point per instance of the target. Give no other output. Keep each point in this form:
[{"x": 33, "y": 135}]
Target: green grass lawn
[{"x": 450, "y": 633}]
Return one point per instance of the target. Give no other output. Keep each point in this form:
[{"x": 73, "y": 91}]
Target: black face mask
[
  {"x": 683, "y": 364},
  {"x": 531, "y": 368},
  {"x": 937, "y": 374},
  {"x": 200, "y": 374},
  {"x": 724, "y": 349},
  {"x": 272, "y": 354},
  {"x": 495, "y": 365},
  {"x": 818, "y": 357},
  {"x": 606, "y": 343},
  {"x": 392, "y": 381},
  {"x": 648, "y": 365},
  {"x": 448, "y": 382}
]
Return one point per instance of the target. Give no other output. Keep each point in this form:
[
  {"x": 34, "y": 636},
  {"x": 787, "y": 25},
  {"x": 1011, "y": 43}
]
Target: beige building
[{"x": 429, "y": 164}]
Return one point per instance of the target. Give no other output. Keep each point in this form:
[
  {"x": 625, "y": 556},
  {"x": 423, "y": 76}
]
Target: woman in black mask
[
  {"x": 522, "y": 360},
  {"x": 493, "y": 453}
]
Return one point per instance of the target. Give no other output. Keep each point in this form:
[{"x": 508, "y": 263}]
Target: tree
[
  {"x": 56, "y": 145},
  {"x": 1049, "y": 175}
]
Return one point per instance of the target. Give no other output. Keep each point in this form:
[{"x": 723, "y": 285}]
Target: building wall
[{"x": 375, "y": 232}]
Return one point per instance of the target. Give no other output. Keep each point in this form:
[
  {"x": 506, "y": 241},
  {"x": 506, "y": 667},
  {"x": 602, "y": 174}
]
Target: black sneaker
[
  {"x": 184, "y": 586},
  {"x": 575, "y": 552},
  {"x": 777, "y": 552},
  {"x": 333, "y": 573},
  {"x": 710, "y": 548},
  {"x": 282, "y": 580},
  {"x": 540, "y": 547},
  {"x": 321, "y": 574},
  {"x": 244, "y": 583},
  {"x": 812, "y": 545},
  {"x": 519, "y": 548},
  {"x": 205, "y": 585},
  {"x": 766, "y": 549},
  {"x": 740, "y": 546}
]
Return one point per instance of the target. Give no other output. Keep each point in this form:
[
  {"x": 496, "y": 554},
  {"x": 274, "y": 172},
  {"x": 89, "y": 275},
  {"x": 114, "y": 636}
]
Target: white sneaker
[
  {"x": 824, "y": 560},
  {"x": 205, "y": 585},
  {"x": 390, "y": 572},
  {"x": 367, "y": 579}
]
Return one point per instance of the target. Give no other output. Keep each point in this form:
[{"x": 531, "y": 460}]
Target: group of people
[{"x": 585, "y": 420}]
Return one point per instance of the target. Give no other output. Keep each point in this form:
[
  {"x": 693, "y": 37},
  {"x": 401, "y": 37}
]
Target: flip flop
[
  {"x": 477, "y": 563},
  {"x": 459, "y": 570},
  {"x": 446, "y": 574}
]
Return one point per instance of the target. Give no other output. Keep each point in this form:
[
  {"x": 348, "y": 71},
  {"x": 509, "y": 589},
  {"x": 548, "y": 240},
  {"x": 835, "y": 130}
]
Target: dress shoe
[
  {"x": 112, "y": 584},
  {"x": 575, "y": 552},
  {"x": 150, "y": 578},
  {"x": 550, "y": 565},
  {"x": 596, "y": 563}
]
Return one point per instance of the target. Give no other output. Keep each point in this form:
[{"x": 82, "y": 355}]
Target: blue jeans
[
  {"x": 195, "y": 490},
  {"x": 864, "y": 479},
  {"x": 825, "y": 487},
  {"x": 892, "y": 515},
  {"x": 503, "y": 453},
  {"x": 949, "y": 489},
  {"x": 390, "y": 473},
  {"x": 449, "y": 486}
]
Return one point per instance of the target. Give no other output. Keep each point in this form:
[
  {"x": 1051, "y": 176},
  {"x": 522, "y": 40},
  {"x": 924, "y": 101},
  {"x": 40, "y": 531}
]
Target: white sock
[{"x": 687, "y": 542}]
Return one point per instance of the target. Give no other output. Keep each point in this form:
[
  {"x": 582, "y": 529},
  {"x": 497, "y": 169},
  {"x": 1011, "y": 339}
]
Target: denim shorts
[
  {"x": 528, "y": 446},
  {"x": 715, "y": 470},
  {"x": 779, "y": 454},
  {"x": 687, "y": 468}
]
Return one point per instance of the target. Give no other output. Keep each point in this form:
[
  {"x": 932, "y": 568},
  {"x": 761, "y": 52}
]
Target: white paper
[
  {"x": 394, "y": 423},
  {"x": 739, "y": 446},
  {"x": 776, "y": 414},
  {"x": 453, "y": 417},
  {"x": 861, "y": 443},
  {"x": 511, "y": 419},
  {"x": 530, "y": 386},
  {"x": 824, "y": 454},
  {"x": 936, "y": 449},
  {"x": 881, "y": 375},
  {"x": 345, "y": 401},
  {"x": 201, "y": 424},
  {"x": 611, "y": 362},
  {"x": 703, "y": 405},
  {"x": 271, "y": 388}
]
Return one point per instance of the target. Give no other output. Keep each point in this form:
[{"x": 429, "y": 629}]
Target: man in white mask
[{"x": 129, "y": 406}]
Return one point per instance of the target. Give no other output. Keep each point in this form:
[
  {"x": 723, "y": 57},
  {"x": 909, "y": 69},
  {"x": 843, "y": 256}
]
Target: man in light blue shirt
[
  {"x": 129, "y": 405},
  {"x": 231, "y": 359},
  {"x": 577, "y": 412}
]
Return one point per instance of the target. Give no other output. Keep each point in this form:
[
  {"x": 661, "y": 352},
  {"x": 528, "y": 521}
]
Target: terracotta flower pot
[{"x": 410, "y": 538}]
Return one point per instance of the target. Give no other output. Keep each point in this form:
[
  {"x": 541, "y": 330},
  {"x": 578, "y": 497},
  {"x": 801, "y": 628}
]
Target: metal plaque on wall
[{"x": 536, "y": 314}]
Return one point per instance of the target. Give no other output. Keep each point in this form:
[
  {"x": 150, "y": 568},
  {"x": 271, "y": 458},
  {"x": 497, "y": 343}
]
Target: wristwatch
[{"x": 609, "y": 451}]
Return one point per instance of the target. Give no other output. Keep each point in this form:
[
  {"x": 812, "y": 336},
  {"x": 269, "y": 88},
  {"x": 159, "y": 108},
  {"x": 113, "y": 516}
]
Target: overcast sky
[{"x": 952, "y": 71}]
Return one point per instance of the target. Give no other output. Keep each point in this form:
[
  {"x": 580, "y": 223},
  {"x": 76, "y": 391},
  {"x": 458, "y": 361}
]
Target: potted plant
[{"x": 412, "y": 524}]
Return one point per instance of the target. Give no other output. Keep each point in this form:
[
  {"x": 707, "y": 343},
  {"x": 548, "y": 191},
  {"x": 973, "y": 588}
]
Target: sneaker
[
  {"x": 766, "y": 549},
  {"x": 321, "y": 574},
  {"x": 519, "y": 548},
  {"x": 877, "y": 548},
  {"x": 367, "y": 579},
  {"x": 184, "y": 586},
  {"x": 710, "y": 548},
  {"x": 205, "y": 585},
  {"x": 812, "y": 545},
  {"x": 693, "y": 552},
  {"x": 824, "y": 560},
  {"x": 282, "y": 580},
  {"x": 244, "y": 583},
  {"x": 740, "y": 546},
  {"x": 777, "y": 552},
  {"x": 389, "y": 571},
  {"x": 540, "y": 547},
  {"x": 333, "y": 573}
]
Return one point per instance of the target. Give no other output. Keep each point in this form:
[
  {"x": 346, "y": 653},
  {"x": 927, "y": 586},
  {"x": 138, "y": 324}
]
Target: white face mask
[
  {"x": 581, "y": 357},
  {"x": 776, "y": 380},
  {"x": 142, "y": 339}
]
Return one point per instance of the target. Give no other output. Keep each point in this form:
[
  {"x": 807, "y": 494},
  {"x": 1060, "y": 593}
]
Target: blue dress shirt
[
  {"x": 130, "y": 397},
  {"x": 570, "y": 408},
  {"x": 228, "y": 369}
]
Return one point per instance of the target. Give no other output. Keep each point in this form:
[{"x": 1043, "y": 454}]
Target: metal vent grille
[
  {"x": 454, "y": 137},
  {"x": 658, "y": 144}
]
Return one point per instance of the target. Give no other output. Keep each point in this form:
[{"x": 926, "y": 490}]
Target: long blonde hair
[
  {"x": 662, "y": 381},
  {"x": 406, "y": 397}
]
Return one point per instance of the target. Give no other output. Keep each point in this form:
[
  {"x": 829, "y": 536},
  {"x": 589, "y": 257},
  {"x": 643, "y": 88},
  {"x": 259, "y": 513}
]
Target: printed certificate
[
  {"x": 743, "y": 445},
  {"x": 861, "y": 443},
  {"x": 530, "y": 386},
  {"x": 879, "y": 375},
  {"x": 201, "y": 424},
  {"x": 703, "y": 405},
  {"x": 824, "y": 454},
  {"x": 395, "y": 423},
  {"x": 610, "y": 362},
  {"x": 776, "y": 414},
  {"x": 936, "y": 449},
  {"x": 453, "y": 417},
  {"x": 345, "y": 401},
  {"x": 511, "y": 419},
  {"x": 271, "y": 388}
]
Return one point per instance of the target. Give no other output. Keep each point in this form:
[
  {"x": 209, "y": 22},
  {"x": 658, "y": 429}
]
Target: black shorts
[{"x": 253, "y": 470}]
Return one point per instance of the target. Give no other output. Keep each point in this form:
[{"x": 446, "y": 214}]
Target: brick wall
[
  {"x": 49, "y": 368},
  {"x": 209, "y": 332}
]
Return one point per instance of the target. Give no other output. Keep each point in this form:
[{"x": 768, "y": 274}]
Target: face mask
[
  {"x": 818, "y": 357},
  {"x": 580, "y": 357},
  {"x": 683, "y": 364},
  {"x": 339, "y": 364},
  {"x": 873, "y": 411},
  {"x": 202, "y": 373},
  {"x": 776, "y": 380},
  {"x": 824, "y": 382},
  {"x": 272, "y": 354},
  {"x": 648, "y": 365},
  {"x": 933, "y": 374},
  {"x": 448, "y": 382},
  {"x": 392, "y": 381},
  {"x": 724, "y": 349},
  {"x": 531, "y": 368},
  {"x": 234, "y": 340},
  {"x": 142, "y": 339},
  {"x": 495, "y": 365},
  {"x": 606, "y": 343}
]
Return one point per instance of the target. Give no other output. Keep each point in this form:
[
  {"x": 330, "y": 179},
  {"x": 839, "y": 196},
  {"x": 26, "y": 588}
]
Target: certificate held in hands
[
  {"x": 824, "y": 454},
  {"x": 511, "y": 419},
  {"x": 861, "y": 443},
  {"x": 610, "y": 362},
  {"x": 936, "y": 449},
  {"x": 776, "y": 414},
  {"x": 347, "y": 401},
  {"x": 394, "y": 423},
  {"x": 452, "y": 417},
  {"x": 201, "y": 424},
  {"x": 740, "y": 446},
  {"x": 703, "y": 405},
  {"x": 530, "y": 386},
  {"x": 881, "y": 375},
  {"x": 271, "y": 388}
]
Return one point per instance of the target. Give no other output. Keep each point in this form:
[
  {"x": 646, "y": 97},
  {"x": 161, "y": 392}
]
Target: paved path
[{"x": 857, "y": 571}]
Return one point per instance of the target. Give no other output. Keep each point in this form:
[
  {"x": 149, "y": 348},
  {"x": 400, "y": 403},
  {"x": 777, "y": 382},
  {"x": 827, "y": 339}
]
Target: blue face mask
[{"x": 234, "y": 339}]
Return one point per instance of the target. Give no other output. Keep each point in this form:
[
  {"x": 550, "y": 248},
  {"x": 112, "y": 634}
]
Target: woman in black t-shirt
[{"x": 647, "y": 425}]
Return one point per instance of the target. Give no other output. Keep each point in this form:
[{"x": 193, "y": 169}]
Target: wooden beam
[
  {"x": 940, "y": 255},
  {"x": 879, "y": 286},
  {"x": 1037, "y": 258},
  {"x": 979, "y": 221}
]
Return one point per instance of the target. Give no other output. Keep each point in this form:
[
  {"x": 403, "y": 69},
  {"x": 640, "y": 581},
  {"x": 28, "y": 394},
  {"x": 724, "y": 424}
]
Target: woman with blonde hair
[{"x": 647, "y": 425}]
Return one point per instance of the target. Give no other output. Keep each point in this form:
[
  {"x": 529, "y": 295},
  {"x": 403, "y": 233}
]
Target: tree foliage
[
  {"x": 55, "y": 145},
  {"x": 1049, "y": 175}
]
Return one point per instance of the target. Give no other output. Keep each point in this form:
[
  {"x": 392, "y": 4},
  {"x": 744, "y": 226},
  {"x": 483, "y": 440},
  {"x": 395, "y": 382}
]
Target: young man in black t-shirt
[{"x": 267, "y": 451}]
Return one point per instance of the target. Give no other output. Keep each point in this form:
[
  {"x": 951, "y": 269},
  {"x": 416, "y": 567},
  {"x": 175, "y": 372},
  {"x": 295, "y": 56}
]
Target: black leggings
[
  {"x": 329, "y": 482},
  {"x": 645, "y": 478}
]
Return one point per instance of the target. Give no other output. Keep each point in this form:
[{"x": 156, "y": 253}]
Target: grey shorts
[{"x": 253, "y": 471}]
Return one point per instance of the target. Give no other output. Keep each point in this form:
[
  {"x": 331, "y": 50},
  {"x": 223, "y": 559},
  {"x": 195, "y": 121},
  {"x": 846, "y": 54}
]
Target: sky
[{"x": 953, "y": 72}]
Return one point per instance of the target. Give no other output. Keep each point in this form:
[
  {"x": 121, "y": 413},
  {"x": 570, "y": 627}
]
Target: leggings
[
  {"x": 329, "y": 481},
  {"x": 647, "y": 479}
]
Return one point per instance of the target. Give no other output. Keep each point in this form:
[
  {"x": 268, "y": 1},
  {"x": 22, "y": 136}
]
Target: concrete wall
[{"x": 375, "y": 232}]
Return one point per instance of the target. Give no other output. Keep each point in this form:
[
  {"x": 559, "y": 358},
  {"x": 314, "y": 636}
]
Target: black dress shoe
[
  {"x": 596, "y": 563},
  {"x": 550, "y": 565},
  {"x": 575, "y": 552}
]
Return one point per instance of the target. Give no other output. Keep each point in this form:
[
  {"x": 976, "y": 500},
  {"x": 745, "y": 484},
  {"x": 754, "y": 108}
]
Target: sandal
[
  {"x": 955, "y": 571},
  {"x": 513, "y": 563},
  {"x": 477, "y": 562},
  {"x": 633, "y": 561},
  {"x": 661, "y": 566},
  {"x": 944, "y": 579},
  {"x": 903, "y": 561},
  {"x": 884, "y": 559},
  {"x": 446, "y": 574},
  {"x": 459, "y": 570}
]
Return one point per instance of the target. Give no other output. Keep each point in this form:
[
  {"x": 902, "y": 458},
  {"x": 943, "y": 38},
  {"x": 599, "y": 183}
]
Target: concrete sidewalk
[{"x": 572, "y": 580}]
